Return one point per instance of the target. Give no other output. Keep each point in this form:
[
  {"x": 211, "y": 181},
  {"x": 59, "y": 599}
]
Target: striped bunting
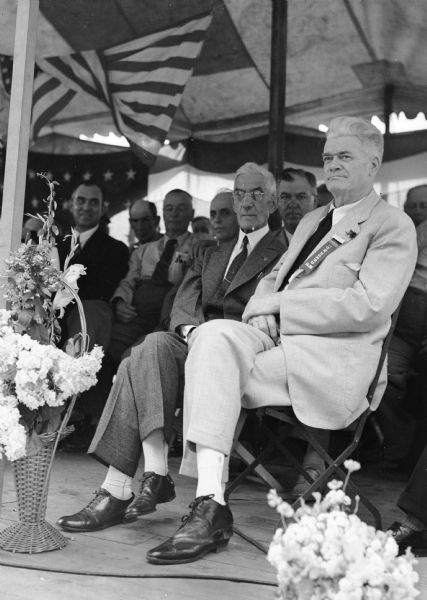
[{"x": 141, "y": 82}]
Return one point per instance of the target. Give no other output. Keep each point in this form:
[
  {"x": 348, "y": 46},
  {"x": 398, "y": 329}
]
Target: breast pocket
[{"x": 344, "y": 276}]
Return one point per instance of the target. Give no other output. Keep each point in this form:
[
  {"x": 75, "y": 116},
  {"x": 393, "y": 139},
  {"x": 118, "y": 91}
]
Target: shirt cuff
[{"x": 185, "y": 330}]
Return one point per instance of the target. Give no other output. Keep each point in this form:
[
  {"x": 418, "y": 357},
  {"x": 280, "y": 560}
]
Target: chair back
[{"x": 384, "y": 350}]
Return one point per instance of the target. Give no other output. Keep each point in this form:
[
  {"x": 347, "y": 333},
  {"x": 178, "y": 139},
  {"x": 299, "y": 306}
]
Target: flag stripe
[
  {"x": 153, "y": 87},
  {"x": 175, "y": 62},
  {"x": 44, "y": 87},
  {"x": 65, "y": 71},
  {"x": 98, "y": 79},
  {"x": 201, "y": 23},
  {"x": 155, "y": 133},
  {"x": 142, "y": 81},
  {"x": 153, "y": 110},
  {"x": 53, "y": 109}
]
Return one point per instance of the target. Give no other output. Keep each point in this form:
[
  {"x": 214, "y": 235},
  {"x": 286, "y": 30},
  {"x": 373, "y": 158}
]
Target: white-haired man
[
  {"x": 311, "y": 334},
  {"x": 139, "y": 413}
]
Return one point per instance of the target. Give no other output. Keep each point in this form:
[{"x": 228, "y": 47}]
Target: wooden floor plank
[{"x": 121, "y": 550}]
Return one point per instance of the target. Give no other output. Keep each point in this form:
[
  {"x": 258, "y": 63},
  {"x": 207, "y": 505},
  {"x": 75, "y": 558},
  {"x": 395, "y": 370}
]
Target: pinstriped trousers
[{"x": 144, "y": 397}]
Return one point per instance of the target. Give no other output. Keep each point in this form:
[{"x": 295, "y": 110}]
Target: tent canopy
[{"x": 343, "y": 57}]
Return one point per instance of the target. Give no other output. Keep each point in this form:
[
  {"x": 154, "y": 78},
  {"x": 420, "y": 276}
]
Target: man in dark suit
[
  {"x": 106, "y": 262},
  {"x": 105, "y": 259},
  {"x": 141, "y": 406}
]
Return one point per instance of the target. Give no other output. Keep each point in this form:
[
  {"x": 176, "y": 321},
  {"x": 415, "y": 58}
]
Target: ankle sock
[
  {"x": 210, "y": 466},
  {"x": 118, "y": 484},
  {"x": 414, "y": 523},
  {"x": 155, "y": 451}
]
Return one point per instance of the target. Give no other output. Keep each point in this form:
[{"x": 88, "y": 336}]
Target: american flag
[{"x": 141, "y": 82}]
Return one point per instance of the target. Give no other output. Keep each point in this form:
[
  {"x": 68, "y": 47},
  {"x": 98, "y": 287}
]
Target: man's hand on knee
[
  {"x": 267, "y": 324},
  {"x": 124, "y": 312},
  {"x": 261, "y": 305}
]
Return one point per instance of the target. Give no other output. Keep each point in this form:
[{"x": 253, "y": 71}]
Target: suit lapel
[
  {"x": 349, "y": 223},
  {"x": 217, "y": 257},
  {"x": 267, "y": 250},
  {"x": 304, "y": 231}
]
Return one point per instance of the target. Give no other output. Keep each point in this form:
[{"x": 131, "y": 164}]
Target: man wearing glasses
[
  {"x": 310, "y": 336},
  {"x": 139, "y": 415}
]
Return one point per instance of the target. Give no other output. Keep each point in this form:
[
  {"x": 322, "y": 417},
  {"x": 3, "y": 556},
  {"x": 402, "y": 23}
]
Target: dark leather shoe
[
  {"x": 207, "y": 528},
  {"x": 302, "y": 485},
  {"x": 408, "y": 538},
  {"x": 154, "y": 489},
  {"x": 102, "y": 511}
]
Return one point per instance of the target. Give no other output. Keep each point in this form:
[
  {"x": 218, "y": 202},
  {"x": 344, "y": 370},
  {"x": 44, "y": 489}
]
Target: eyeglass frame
[{"x": 251, "y": 193}]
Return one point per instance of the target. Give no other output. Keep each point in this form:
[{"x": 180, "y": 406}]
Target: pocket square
[{"x": 353, "y": 266}]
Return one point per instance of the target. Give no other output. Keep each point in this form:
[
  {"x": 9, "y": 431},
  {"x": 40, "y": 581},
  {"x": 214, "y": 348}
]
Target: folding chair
[{"x": 296, "y": 428}]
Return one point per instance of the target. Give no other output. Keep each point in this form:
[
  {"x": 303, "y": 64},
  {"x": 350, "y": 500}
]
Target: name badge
[{"x": 314, "y": 260}]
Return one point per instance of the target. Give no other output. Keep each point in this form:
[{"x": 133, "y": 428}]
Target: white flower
[
  {"x": 352, "y": 465},
  {"x": 324, "y": 552},
  {"x": 63, "y": 296},
  {"x": 273, "y": 499},
  {"x": 13, "y": 437}
]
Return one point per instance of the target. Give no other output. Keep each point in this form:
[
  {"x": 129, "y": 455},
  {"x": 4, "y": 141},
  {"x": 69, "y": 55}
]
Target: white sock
[
  {"x": 210, "y": 465},
  {"x": 155, "y": 451},
  {"x": 118, "y": 484}
]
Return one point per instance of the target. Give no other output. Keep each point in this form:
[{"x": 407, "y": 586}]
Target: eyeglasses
[{"x": 255, "y": 195}]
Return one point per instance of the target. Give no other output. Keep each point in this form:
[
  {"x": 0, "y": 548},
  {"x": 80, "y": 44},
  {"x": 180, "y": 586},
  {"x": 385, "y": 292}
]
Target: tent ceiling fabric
[{"x": 341, "y": 55}]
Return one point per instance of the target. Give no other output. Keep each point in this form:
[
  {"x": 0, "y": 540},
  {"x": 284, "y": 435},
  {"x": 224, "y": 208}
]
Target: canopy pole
[
  {"x": 276, "y": 128},
  {"x": 18, "y": 132},
  {"x": 276, "y": 139},
  {"x": 388, "y": 109},
  {"x": 17, "y": 140}
]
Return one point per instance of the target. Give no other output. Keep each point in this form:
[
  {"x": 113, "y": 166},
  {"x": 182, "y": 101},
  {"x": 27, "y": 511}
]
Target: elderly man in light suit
[
  {"x": 139, "y": 413},
  {"x": 311, "y": 335}
]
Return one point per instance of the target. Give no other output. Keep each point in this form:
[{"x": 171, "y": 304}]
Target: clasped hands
[
  {"x": 125, "y": 312},
  {"x": 261, "y": 312}
]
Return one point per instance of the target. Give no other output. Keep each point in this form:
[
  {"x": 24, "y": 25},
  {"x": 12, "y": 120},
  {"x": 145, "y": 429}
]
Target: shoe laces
[
  {"x": 146, "y": 478},
  {"x": 193, "y": 506},
  {"x": 99, "y": 495}
]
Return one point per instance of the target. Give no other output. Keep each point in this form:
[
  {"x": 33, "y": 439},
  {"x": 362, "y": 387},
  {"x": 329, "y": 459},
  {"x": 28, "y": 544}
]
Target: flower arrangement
[
  {"x": 36, "y": 377},
  {"x": 325, "y": 552}
]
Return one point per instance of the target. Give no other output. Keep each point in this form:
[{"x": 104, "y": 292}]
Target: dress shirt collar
[
  {"x": 84, "y": 236},
  {"x": 342, "y": 211},
  {"x": 288, "y": 235},
  {"x": 253, "y": 237},
  {"x": 181, "y": 239}
]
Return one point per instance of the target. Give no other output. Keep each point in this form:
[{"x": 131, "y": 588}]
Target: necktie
[
  {"x": 232, "y": 270},
  {"x": 237, "y": 262},
  {"x": 160, "y": 274},
  {"x": 78, "y": 248},
  {"x": 322, "y": 229}
]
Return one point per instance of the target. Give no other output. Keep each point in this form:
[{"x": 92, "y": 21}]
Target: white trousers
[{"x": 229, "y": 365}]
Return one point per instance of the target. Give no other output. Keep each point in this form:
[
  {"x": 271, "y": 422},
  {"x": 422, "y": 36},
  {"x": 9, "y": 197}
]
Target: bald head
[
  {"x": 416, "y": 204},
  {"x": 223, "y": 217},
  {"x": 144, "y": 220}
]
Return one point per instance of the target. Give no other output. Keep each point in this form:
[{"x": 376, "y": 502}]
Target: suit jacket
[
  {"x": 143, "y": 262},
  {"x": 106, "y": 262},
  {"x": 334, "y": 319},
  {"x": 207, "y": 272}
]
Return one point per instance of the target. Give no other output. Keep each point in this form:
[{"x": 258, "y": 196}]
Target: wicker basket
[{"x": 33, "y": 534}]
